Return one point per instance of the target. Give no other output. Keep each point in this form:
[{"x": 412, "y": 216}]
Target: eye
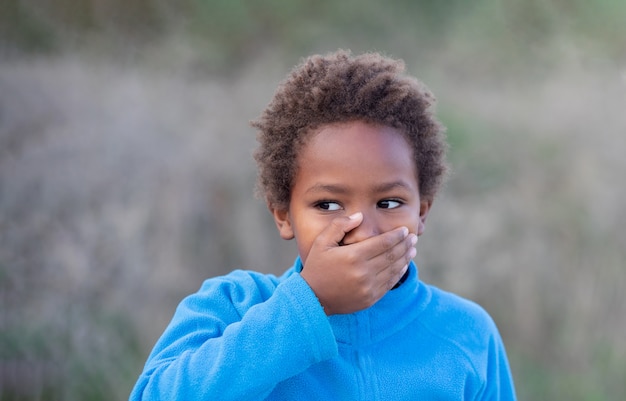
[
  {"x": 328, "y": 205},
  {"x": 389, "y": 204}
]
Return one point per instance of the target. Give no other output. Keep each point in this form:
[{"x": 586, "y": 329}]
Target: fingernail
[
  {"x": 405, "y": 232},
  {"x": 355, "y": 216},
  {"x": 413, "y": 239},
  {"x": 412, "y": 253}
]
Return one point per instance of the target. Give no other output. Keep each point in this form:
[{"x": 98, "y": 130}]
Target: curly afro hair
[{"x": 339, "y": 87}]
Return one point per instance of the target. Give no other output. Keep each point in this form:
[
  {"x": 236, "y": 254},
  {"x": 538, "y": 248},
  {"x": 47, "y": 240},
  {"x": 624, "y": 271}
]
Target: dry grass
[{"x": 123, "y": 186}]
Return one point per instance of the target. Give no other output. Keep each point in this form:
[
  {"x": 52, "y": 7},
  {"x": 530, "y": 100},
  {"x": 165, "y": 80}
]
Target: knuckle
[
  {"x": 359, "y": 277},
  {"x": 364, "y": 294},
  {"x": 336, "y": 224},
  {"x": 333, "y": 229},
  {"x": 352, "y": 258},
  {"x": 386, "y": 242},
  {"x": 370, "y": 299}
]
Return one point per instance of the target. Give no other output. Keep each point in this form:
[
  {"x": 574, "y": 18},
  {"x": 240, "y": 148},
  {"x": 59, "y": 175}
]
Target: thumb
[{"x": 339, "y": 227}]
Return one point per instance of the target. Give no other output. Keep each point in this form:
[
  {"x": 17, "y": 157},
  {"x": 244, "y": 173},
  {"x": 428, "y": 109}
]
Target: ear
[
  {"x": 424, "y": 209},
  {"x": 283, "y": 223}
]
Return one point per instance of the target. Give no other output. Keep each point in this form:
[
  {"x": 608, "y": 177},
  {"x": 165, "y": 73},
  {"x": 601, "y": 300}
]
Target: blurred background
[{"x": 126, "y": 175}]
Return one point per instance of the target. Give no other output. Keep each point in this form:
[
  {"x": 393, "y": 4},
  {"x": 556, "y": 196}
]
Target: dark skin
[{"x": 355, "y": 212}]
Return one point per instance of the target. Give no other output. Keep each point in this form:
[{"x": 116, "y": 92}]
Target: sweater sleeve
[
  {"x": 228, "y": 343},
  {"x": 499, "y": 382}
]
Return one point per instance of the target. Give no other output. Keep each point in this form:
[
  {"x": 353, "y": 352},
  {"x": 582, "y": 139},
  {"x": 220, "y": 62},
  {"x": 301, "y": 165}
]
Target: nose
[{"x": 369, "y": 227}]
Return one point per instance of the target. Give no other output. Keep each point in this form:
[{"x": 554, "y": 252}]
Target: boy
[{"x": 350, "y": 158}]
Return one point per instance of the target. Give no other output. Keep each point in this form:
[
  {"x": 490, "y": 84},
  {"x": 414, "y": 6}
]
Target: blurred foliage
[
  {"x": 112, "y": 204},
  {"x": 227, "y": 33}
]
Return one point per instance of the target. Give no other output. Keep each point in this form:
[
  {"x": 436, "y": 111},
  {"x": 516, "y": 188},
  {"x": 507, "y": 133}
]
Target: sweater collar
[{"x": 390, "y": 314}]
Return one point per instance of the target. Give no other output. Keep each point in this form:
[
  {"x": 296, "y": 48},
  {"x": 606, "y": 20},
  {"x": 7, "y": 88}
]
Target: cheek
[
  {"x": 409, "y": 219},
  {"x": 306, "y": 234}
]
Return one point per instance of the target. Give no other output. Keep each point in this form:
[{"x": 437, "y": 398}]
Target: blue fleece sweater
[{"x": 251, "y": 336}]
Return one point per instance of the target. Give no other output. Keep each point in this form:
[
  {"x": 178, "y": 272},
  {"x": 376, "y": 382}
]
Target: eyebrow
[
  {"x": 341, "y": 189},
  {"x": 331, "y": 188},
  {"x": 388, "y": 186}
]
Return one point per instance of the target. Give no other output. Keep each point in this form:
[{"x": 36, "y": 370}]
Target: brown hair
[{"x": 339, "y": 87}]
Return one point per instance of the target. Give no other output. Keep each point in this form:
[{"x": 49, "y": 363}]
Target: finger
[
  {"x": 388, "y": 247},
  {"x": 393, "y": 261},
  {"x": 389, "y": 277},
  {"x": 381, "y": 244},
  {"x": 338, "y": 228}
]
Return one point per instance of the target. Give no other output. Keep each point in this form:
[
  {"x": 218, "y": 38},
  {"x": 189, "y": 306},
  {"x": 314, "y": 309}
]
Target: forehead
[
  {"x": 338, "y": 138},
  {"x": 355, "y": 149}
]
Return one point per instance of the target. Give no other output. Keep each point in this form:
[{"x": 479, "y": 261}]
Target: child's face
[{"x": 347, "y": 168}]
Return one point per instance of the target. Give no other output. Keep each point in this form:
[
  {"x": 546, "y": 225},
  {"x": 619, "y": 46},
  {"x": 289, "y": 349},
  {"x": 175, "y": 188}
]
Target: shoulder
[
  {"x": 239, "y": 289},
  {"x": 228, "y": 296},
  {"x": 458, "y": 311},
  {"x": 459, "y": 321},
  {"x": 464, "y": 328},
  {"x": 240, "y": 283}
]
